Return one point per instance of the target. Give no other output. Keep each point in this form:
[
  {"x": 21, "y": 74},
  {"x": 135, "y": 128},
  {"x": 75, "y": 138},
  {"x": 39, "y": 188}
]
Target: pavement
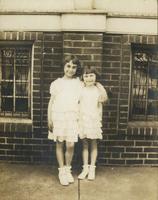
[{"x": 40, "y": 182}]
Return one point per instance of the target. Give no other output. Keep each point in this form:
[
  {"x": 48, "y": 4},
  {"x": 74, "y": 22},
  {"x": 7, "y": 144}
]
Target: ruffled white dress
[
  {"x": 65, "y": 109},
  {"x": 90, "y": 114}
]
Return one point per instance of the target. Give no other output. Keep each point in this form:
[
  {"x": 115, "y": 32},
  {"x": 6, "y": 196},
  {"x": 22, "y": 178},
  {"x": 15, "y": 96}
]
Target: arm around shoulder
[{"x": 103, "y": 94}]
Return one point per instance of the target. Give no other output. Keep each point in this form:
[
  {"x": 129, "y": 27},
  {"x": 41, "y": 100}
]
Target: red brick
[
  {"x": 129, "y": 155},
  {"x": 107, "y": 38},
  {"x": 68, "y": 36},
  {"x": 151, "y": 162},
  {"x": 116, "y": 161},
  {"x": 93, "y": 37},
  {"x": 134, "y": 162},
  {"x": 134, "y": 149}
]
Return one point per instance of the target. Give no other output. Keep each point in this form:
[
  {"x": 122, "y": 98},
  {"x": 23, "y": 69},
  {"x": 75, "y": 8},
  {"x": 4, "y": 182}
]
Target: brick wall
[
  {"x": 88, "y": 47},
  {"x": 23, "y": 142},
  {"x": 17, "y": 139},
  {"x": 122, "y": 144}
]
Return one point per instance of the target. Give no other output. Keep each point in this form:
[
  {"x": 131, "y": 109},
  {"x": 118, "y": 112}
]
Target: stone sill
[
  {"x": 15, "y": 125},
  {"x": 143, "y": 128},
  {"x": 15, "y": 120},
  {"x": 143, "y": 124}
]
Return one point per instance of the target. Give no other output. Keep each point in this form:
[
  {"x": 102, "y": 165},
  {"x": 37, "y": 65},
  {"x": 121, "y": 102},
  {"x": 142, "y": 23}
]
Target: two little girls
[{"x": 75, "y": 109}]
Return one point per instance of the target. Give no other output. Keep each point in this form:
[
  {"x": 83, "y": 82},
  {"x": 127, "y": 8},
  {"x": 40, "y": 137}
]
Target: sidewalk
[{"x": 40, "y": 182}]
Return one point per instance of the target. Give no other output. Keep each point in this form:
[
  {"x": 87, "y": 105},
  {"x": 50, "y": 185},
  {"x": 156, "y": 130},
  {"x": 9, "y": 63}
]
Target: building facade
[{"x": 118, "y": 37}]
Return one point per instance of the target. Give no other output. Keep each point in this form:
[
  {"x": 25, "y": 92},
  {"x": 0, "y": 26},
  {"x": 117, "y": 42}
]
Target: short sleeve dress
[
  {"x": 90, "y": 114},
  {"x": 65, "y": 109}
]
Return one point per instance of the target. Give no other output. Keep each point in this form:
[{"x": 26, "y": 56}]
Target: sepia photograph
[{"x": 79, "y": 100}]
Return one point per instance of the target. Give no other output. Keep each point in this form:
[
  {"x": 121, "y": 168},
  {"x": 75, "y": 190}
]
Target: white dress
[
  {"x": 90, "y": 114},
  {"x": 65, "y": 109}
]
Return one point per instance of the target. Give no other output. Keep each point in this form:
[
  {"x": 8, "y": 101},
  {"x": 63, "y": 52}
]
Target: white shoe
[
  {"x": 84, "y": 172},
  {"x": 63, "y": 176},
  {"x": 91, "y": 174},
  {"x": 70, "y": 178}
]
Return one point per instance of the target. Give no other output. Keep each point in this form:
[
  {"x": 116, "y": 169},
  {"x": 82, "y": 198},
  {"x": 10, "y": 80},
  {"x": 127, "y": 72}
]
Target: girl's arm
[
  {"x": 53, "y": 91},
  {"x": 50, "y": 121},
  {"x": 103, "y": 94}
]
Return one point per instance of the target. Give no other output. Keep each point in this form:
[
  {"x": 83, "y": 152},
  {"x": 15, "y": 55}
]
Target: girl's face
[
  {"x": 70, "y": 69},
  {"x": 89, "y": 79}
]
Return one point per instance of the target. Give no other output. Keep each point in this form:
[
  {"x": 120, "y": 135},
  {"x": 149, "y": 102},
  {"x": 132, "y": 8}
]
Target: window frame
[
  {"x": 15, "y": 114},
  {"x": 140, "y": 48}
]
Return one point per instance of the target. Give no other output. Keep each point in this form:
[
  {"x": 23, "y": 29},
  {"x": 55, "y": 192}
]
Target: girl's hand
[
  {"x": 49, "y": 119},
  {"x": 103, "y": 95},
  {"x": 102, "y": 99},
  {"x": 50, "y": 126}
]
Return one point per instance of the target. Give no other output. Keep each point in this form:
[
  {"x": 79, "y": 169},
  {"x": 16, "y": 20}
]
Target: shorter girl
[{"x": 92, "y": 97}]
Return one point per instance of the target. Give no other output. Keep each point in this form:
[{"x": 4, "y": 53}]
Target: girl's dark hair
[
  {"x": 91, "y": 69},
  {"x": 75, "y": 61}
]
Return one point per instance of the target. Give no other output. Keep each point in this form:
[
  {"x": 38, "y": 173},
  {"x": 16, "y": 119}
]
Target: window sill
[
  {"x": 142, "y": 124},
  {"x": 15, "y": 125},
  {"x": 143, "y": 128},
  {"x": 15, "y": 120}
]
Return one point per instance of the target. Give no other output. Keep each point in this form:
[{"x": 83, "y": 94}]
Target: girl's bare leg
[
  {"x": 69, "y": 153},
  {"x": 85, "y": 151},
  {"x": 60, "y": 153},
  {"x": 94, "y": 151},
  {"x": 85, "y": 154},
  {"x": 60, "y": 158},
  {"x": 68, "y": 159}
]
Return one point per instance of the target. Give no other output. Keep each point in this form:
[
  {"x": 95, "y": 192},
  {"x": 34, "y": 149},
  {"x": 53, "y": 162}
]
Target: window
[
  {"x": 144, "y": 87},
  {"x": 15, "y": 79}
]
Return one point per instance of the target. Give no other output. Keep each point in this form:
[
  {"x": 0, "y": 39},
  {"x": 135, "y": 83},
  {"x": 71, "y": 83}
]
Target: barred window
[
  {"x": 144, "y": 87},
  {"x": 15, "y": 80}
]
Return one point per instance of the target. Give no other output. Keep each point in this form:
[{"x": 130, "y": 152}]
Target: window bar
[
  {"x": 20, "y": 77},
  {"x": 132, "y": 84},
  {"x": 147, "y": 86},
  {"x": 2, "y": 63},
  {"x": 21, "y": 55},
  {"x": 0, "y": 79},
  {"x": 14, "y": 70},
  {"x": 19, "y": 93},
  {"x": 29, "y": 85},
  {"x": 134, "y": 87}
]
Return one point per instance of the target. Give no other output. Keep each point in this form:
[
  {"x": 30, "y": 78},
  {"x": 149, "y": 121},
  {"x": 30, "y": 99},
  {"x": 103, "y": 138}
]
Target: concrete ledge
[
  {"x": 30, "y": 23},
  {"x": 132, "y": 26},
  {"x": 89, "y": 22},
  {"x": 84, "y": 22},
  {"x": 65, "y": 22}
]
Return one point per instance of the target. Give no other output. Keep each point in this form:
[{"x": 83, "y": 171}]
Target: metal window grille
[
  {"x": 144, "y": 87},
  {"x": 15, "y": 81}
]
